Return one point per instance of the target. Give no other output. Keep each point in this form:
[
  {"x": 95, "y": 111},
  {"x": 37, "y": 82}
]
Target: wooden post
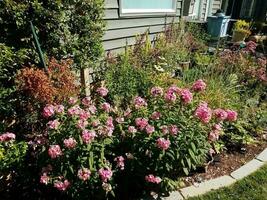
[{"x": 85, "y": 81}]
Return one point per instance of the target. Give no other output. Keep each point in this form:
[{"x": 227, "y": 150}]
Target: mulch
[{"x": 225, "y": 163}]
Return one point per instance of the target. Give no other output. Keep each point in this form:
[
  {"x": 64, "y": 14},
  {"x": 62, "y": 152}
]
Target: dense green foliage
[{"x": 65, "y": 28}]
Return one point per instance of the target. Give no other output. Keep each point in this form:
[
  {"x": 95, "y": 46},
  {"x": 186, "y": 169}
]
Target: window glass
[{"x": 147, "y": 6}]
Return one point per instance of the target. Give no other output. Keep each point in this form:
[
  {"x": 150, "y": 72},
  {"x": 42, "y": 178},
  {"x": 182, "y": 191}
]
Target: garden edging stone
[{"x": 222, "y": 181}]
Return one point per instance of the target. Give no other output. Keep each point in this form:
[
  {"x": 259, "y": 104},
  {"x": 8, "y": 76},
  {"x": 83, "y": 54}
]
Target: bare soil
[{"x": 225, "y": 163}]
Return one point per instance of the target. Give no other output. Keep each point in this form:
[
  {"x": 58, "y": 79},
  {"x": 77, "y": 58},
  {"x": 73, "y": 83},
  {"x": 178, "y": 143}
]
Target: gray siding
[
  {"x": 121, "y": 31},
  {"x": 216, "y": 5}
]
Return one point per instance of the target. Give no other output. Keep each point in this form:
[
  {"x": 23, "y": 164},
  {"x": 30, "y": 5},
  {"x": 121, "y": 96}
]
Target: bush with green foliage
[{"x": 65, "y": 28}]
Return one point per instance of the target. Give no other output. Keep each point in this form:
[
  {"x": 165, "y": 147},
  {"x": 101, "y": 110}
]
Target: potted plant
[
  {"x": 183, "y": 59},
  {"x": 241, "y": 31}
]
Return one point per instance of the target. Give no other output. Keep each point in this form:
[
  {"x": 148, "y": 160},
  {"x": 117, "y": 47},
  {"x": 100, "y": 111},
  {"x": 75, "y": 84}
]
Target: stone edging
[{"x": 222, "y": 181}]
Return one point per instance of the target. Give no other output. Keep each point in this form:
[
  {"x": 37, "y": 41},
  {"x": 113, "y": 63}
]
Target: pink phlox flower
[
  {"x": 84, "y": 115},
  {"x": 84, "y": 174},
  {"x": 59, "y": 109},
  {"x": 156, "y": 91},
  {"x": 54, "y": 124},
  {"x": 174, "y": 89},
  {"x": 170, "y": 97},
  {"x": 73, "y": 100},
  {"x": 214, "y": 135},
  {"x": 102, "y": 91},
  {"x": 164, "y": 129},
  {"x": 54, "y": 151},
  {"x": 132, "y": 129},
  {"x": 86, "y": 101},
  {"x": 7, "y": 137},
  {"x": 173, "y": 129},
  {"x": 105, "y": 174},
  {"x": 70, "y": 143},
  {"x": 106, "y": 107},
  {"x": 127, "y": 113},
  {"x": 92, "y": 109},
  {"x": 88, "y": 136},
  {"x": 74, "y": 111},
  {"x": 150, "y": 129},
  {"x": 44, "y": 179},
  {"x": 120, "y": 162},
  {"x": 220, "y": 114},
  {"x": 163, "y": 144},
  {"x": 203, "y": 112},
  {"x": 152, "y": 179},
  {"x": 199, "y": 85},
  {"x": 156, "y": 115},
  {"x": 186, "y": 96},
  {"x": 82, "y": 124},
  {"x": 141, "y": 123},
  {"x": 49, "y": 111},
  {"x": 139, "y": 102},
  {"x": 120, "y": 120},
  {"x": 231, "y": 115},
  {"x": 62, "y": 186}
]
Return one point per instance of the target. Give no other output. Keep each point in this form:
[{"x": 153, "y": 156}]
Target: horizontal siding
[
  {"x": 124, "y": 30},
  {"x": 216, "y": 5}
]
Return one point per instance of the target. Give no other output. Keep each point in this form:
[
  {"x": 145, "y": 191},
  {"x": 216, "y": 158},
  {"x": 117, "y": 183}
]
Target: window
[
  {"x": 194, "y": 9},
  {"x": 147, "y": 7}
]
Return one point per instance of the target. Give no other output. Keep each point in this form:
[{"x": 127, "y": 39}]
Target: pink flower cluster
[
  {"x": 163, "y": 144},
  {"x": 50, "y": 110},
  {"x": 7, "y": 137},
  {"x": 102, "y": 91},
  {"x": 73, "y": 100},
  {"x": 141, "y": 123},
  {"x": 231, "y": 115},
  {"x": 220, "y": 114},
  {"x": 86, "y": 101},
  {"x": 53, "y": 124},
  {"x": 105, "y": 174},
  {"x": 215, "y": 133},
  {"x": 150, "y": 129},
  {"x": 186, "y": 96},
  {"x": 70, "y": 143},
  {"x": 88, "y": 136},
  {"x": 203, "y": 112},
  {"x": 62, "y": 186},
  {"x": 170, "y": 97},
  {"x": 156, "y": 91},
  {"x": 84, "y": 174},
  {"x": 132, "y": 129},
  {"x": 199, "y": 85},
  {"x": 54, "y": 151},
  {"x": 172, "y": 129},
  {"x": 139, "y": 102},
  {"x": 44, "y": 179},
  {"x": 120, "y": 162},
  {"x": 156, "y": 115},
  {"x": 106, "y": 107},
  {"x": 74, "y": 111},
  {"x": 152, "y": 179}
]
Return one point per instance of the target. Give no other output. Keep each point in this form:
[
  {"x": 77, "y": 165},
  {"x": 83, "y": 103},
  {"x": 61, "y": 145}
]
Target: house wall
[{"x": 123, "y": 30}]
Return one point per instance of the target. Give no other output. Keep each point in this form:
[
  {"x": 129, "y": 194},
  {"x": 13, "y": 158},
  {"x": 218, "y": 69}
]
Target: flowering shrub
[
  {"x": 93, "y": 148},
  {"x": 11, "y": 152}
]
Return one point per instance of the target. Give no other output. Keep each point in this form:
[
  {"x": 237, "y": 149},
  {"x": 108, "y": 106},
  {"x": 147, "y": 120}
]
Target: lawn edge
[{"x": 222, "y": 181}]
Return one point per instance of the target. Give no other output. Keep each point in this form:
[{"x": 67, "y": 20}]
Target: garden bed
[{"x": 225, "y": 163}]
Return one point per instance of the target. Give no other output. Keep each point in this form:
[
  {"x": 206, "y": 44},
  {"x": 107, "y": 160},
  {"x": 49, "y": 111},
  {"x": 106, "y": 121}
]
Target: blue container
[{"x": 218, "y": 25}]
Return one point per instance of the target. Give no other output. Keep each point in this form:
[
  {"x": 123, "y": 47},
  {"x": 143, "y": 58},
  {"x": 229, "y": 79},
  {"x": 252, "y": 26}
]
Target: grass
[{"x": 253, "y": 187}]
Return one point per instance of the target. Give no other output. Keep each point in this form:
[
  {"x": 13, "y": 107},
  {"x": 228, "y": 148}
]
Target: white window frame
[
  {"x": 197, "y": 7},
  {"x": 147, "y": 12}
]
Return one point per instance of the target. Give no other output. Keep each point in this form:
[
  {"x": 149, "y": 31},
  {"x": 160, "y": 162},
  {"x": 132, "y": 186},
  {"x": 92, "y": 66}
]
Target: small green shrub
[{"x": 65, "y": 28}]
